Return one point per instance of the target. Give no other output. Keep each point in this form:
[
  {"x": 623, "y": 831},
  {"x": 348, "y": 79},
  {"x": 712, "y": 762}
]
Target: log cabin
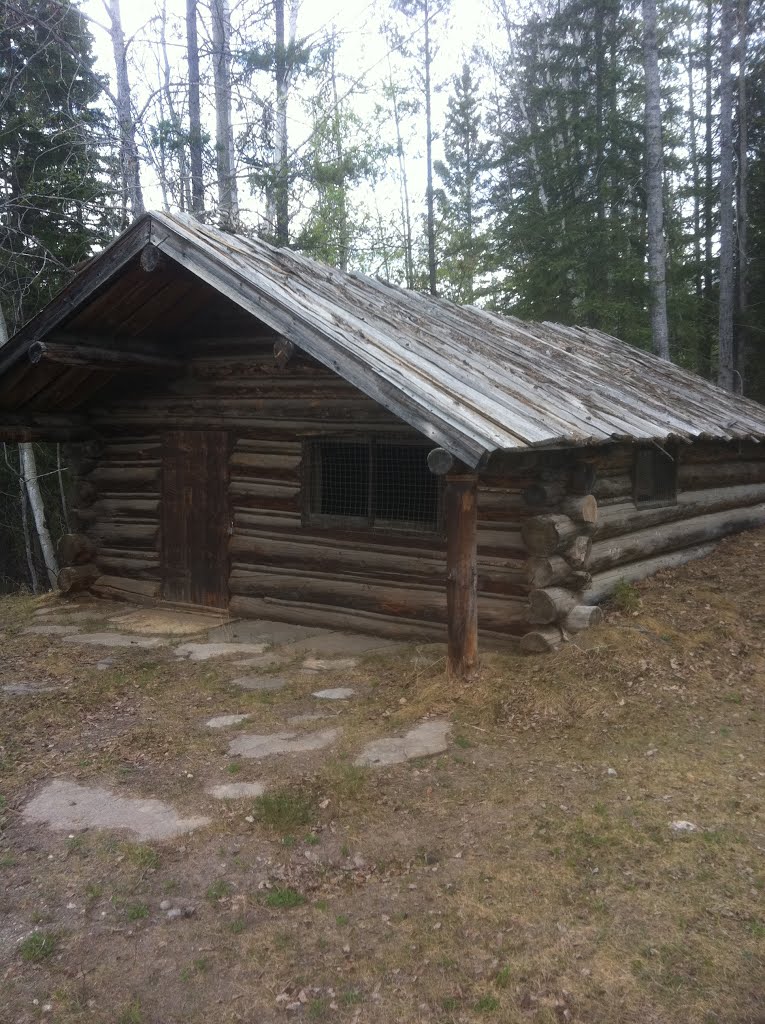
[{"x": 253, "y": 431}]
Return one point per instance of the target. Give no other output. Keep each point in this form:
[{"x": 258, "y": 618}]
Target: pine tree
[
  {"x": 461, "y": 199},
  {"x": 55, "y": 159}
]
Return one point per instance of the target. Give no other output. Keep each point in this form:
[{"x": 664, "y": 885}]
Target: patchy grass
[
  {"x": 528, "y": 876},
  {"x": 38, "y": 946}
]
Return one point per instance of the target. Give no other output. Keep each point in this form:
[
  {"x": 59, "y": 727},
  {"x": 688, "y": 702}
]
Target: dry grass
[{"x": 528, "y": 876}]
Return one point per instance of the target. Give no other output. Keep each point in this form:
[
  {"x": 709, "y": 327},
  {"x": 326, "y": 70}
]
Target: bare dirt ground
[{"x": 529, "y": 874}]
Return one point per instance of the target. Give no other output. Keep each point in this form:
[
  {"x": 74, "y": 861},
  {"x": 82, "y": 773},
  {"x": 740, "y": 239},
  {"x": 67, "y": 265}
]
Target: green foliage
[
  {"x": 625, "y": 597},
  {"x": 284, "y": 899},
  {"x": 38, "y": 946},
  {"x": 285, "y": 809}
]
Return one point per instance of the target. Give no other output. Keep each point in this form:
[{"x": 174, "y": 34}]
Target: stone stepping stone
[
  {"x": 114, "y": 640},
  {"x": 52, "y": 629},
  {"x": 224, "y": 721},
  {"x": 25, "y": 689},
  {"x": 151, "y": 621},
  {"x": 237, "y": 790},
  {"x": 203, "y": 652},
  {"x": 424, "y": 740},
  {"x": 334, "y": 693},
  {"x": 260, "y": 684},
  {"x": 65, "y": 805},
  {"x": 329, "y": 664},
  {"x": 254, "y": 630},
  {"x": 281, "y": 743}
]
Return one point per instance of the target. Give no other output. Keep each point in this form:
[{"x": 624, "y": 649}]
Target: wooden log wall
[
  {"x": 582, "y": 546},
  {"x": 282, "y": 567}
]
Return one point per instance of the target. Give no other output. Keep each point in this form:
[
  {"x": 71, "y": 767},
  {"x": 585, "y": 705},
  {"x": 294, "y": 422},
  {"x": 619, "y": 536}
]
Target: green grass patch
[
  {"x": 132, "y": 1014},
  {"x": 141, "y": 855},
  {"x": 219, "y": 890},
  {"x": 136, "y": 911},
  {"x": 284, "y": 899},
  {"x": 285, "y": 809},
  {"x": 38, "y": 946}
]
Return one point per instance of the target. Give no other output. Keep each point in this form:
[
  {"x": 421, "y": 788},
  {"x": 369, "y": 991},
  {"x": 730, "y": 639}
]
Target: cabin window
[
  {"x": 372, "y": 483},
  {"x": 654, "y": 476}
]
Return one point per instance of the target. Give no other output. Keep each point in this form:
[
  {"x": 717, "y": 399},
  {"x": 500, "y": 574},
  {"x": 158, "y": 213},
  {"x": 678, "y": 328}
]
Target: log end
[{"x": 541, "y": 641}]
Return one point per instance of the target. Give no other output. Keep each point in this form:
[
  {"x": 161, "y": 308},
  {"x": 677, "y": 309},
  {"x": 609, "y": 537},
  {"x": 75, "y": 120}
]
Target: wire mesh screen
[{"x": 374, "y": 483}]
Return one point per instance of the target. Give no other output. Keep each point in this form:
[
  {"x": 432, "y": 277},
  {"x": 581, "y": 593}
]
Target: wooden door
[{"x": 195, "y": 517}]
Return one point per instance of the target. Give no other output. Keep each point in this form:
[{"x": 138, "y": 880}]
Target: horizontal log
[
  {"x": 546, "y": 572},
  {"x": 126, "y": 589},
  {"x": 548, "y": 534},
  {"x": 124, "y": 533},
  {"x": 135, "y": 568},
  {"x": 582, "y": 509},
  {"x": 138, "y": 359},
  {"x": 604, "y": 583},
  {"x": 582, "y": 617},
  {"x": 644, "y": 544},
  {"x": 540, "y": 494},
  {"x": 75, "y": 549},
  {"x": 550, "y": 604},
  {"x": 578, "y": 552},
  {"x": 75, "y": 578},
  {"x": 124, "y": 476},
  {"x": 541, "y": 641},
  {"x": 612, "y": 488},
  {"x": 626, "y": 517},
  {"x": 693, "y": 476}
]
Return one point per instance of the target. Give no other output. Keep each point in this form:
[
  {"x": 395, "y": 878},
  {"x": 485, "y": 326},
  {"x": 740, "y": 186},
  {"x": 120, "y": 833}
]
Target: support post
[{"x": 461, "y": 508}]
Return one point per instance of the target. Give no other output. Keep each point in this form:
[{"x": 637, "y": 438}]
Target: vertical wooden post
[{"x": 461, "y": 574}]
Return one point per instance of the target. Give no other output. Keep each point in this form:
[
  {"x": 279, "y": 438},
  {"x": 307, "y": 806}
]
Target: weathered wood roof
[{"x": 472, "y": 381}]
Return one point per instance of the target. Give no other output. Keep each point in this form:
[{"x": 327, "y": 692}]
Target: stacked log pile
[
  {"x": 582, "y": 546},
  {"x": 115, "y": 552},
  {"x": 558, "y": 539}
]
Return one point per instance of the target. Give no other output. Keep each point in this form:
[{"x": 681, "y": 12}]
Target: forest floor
[{"x": 536, "y": 871}]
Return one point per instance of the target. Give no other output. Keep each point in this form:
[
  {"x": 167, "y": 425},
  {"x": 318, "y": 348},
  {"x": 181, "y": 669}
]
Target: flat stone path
[
  {"x": 424, "y": 740},
  {"x": 25, "y": 689},
  {"x": 203, "y": 652},
  {"x": 334, "y": 693},
  {"x": 329, "y": 664},
  {"x": 68, "y": 805},
  {"x": 114, "y": 640},
  {"x": 152, "y": 621},
  {"x": 260, "y": 684},
  {"x": 237, "y": 790},
  {"x": 281, "y": 743},
  {"x": 225, "y": 721}
]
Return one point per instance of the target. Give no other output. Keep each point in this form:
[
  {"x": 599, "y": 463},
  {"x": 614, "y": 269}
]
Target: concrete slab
[
  {"x": 153, "y": 621},
  {"x": 224, "y": 721},
  {"x": 51, "y": 629},
  {"x": 65, "y": 805},
  {"x": 114, "y": 640},
  {"x": 203, "y": 652},
  {"x": 281, "y": 743},
  {"x": 424, "y": 740},
  {"x": 237, "y": 790},
  {"x": 260, "y": 684},
  {"x": 334, "y": 693},
  {"x": 252, "y": 630},
  {"x": 329, "y": 664}
]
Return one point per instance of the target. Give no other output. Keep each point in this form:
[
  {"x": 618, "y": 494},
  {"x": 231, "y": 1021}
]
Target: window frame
[
  {"x": 669, "y": 452},
  {"x": 366, "y": 524}
]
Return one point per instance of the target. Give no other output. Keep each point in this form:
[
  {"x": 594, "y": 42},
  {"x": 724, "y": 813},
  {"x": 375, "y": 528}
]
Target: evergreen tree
[
  {"x": 54, "y": 152},
  {"x": 461, "y": 199}
]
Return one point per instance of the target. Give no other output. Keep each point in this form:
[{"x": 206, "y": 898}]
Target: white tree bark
[
  {"x": 29, "y": 471},
  {"x": 195, "y": 117},
  {"x": 654, "y": 182},
  {"x": 130, "y": 168},
  {"x": 726, "y": 365},
  {"x": 228, "y": 199}
]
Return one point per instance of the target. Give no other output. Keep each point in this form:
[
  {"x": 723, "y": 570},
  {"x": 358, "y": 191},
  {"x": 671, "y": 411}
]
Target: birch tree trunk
[
  {"x": 654, "y": 175},
  {"x": 130, "y": 168},
  {"x": 228, "y": 201},
  {"x": 33, "y": 580},
  {"x": 195, "y": 117},
  {"x": 726, "y": 365},
  {"x": 432, "y": 273},
  {"x": 281, "y": 210},
  {"x": 29, "y": 469}
]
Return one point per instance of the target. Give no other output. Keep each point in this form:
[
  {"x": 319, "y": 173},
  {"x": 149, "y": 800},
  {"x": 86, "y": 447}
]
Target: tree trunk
[
  {"x": 696, "y": 177},
  {"x": 406, "y": 218},
  {"x": 130, "y": 168},
  {"x": 726, "y": 366},
  {"x": 343, "y": 240},
  {"x": 432, "y": 281},
  {"x": 654, "y": 178},
  {"x": 228, "y": 201},
  {"x": 742, "y": 295},
  {"x": 709, "y": 188},
  {"x": 38, "y": 509},
  {"x": 195, "y": 117},
  {"x": 280, "y": 142}
]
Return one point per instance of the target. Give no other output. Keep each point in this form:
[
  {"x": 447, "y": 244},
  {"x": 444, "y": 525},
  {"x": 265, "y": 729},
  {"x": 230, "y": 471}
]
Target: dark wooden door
[{"x": 195, "y": 517}]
